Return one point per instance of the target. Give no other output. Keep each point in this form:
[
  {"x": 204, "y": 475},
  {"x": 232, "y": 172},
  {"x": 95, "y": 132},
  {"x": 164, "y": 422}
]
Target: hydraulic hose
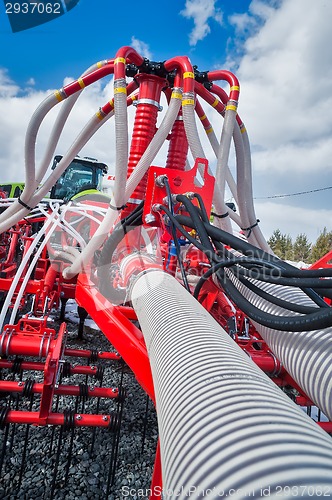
[{"x": 224, "y": 426}]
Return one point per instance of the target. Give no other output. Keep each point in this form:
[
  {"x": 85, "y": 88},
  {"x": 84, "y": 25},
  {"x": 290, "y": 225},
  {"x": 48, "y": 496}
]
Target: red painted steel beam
[{"x": 126, "y": 338}]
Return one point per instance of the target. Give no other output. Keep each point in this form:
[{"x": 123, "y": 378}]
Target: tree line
[{"x": 301, "y": 249}]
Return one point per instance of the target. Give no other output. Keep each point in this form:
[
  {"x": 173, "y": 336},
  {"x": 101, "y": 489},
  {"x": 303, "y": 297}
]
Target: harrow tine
[
  {"x": 100, "y": 377},
  {"x": 63, "y": 301},
  {"x": 16, "y": 369},
  {"x": 69, "y": 417},
  {"x": 116, "y": 441},
  {"x": 56, "y": 463},
  {"x": 26, "y": 438},
  {"x": 145, "y": 422},
  {"x": 82, "y": 313},
  {"x": 3, "y": 426}
]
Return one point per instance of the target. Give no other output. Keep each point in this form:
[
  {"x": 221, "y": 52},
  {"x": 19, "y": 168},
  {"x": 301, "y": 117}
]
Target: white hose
[
  {"x": 245, "y": 187},
  {"x": 121, "y": 141},
  {"x": 22, "y": 266},
  {"x": 225, "y": 428},
  {"x": 87, "y": 132},
  {"x": 59, "y": 124},
  {"x": 145, "y": 161}
]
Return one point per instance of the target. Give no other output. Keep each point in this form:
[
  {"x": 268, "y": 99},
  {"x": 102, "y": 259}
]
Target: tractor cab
[{"x": 83, "y": 176}]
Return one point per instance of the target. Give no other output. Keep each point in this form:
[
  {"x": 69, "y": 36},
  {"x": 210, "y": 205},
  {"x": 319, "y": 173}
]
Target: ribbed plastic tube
[
  {"x": 225, "y": 428},
  {"x": 307, "y": 356}
]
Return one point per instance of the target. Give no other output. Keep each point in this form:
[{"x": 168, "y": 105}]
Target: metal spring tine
[
  {"x": 56, "y": 411},
  {"x": 16, "y": 370},
  {"x": 100, "y": 372},
  {"x": 115, "y": 443},
  {"x": 145, "y": 422},
  {"x": 4, "y": 426},
  {"x": 26, "y": 438},
  {"x": 71, "y": 442},
  {"x": 56, "y": 464}
]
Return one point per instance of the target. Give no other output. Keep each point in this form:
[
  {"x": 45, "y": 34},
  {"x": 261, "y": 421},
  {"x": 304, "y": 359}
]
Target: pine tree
[
  {"x": 301, "y": 248},
  {"x": 281, "y": 244},
  {"x": 322, "y": 246}
]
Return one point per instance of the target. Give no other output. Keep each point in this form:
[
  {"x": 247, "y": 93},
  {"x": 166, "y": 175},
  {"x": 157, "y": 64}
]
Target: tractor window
[
  {"x": 7, "y": 189},
  {"x": 76, "y": 178}
]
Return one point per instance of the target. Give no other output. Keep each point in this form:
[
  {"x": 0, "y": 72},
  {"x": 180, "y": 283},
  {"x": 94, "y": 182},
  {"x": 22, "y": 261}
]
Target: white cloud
[
  {"x": 201, "y": 11},
  {"x": 285, "y": 72},
  {"x": 17, "y": 108},
  {"x": 7, "y": 86},
  {"x": 141, "y": 47},
  {"x": 292, "y": 220}
]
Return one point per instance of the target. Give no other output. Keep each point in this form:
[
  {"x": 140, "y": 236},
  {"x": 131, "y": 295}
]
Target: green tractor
[{"x": 82, "y": 179}]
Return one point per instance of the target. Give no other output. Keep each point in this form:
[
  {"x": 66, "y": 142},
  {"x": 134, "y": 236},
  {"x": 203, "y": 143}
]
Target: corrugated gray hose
[
  {"x": 307, "y": 356},
  {"x": 225, "y": 428}
]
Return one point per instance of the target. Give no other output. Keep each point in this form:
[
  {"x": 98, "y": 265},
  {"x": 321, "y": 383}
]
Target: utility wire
[{"x": 292, "y": 194}]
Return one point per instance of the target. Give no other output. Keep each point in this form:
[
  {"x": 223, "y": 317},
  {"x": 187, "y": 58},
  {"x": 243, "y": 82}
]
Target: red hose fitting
[
  {"x": 183, "y": 64},
  {"x": 229, "y": 78},
  {"x": 144, "y": 127},
  {"x": 124, "y": 55}
]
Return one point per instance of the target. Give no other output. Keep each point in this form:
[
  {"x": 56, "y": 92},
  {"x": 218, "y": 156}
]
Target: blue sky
[
  {"x": 279, "y": 49},
  {"x": 95, "y": 29}
]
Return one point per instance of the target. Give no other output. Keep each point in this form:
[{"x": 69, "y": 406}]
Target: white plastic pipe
[
  {"x": 225, "y": 428},
  {"x": 22, "y": 266},
  {"x": 145, "y": 161}
]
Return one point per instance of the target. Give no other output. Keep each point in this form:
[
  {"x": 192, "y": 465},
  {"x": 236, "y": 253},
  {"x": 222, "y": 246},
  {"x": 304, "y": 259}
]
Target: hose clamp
[
  {"x": 148, "y": 101},
  {"x": 120, "y": 82}
]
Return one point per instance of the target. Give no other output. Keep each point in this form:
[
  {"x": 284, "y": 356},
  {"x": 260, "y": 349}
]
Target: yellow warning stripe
[
  {"x": 235, "y": 87},
  {"x": 188, "y": 102},
  {"x": 100, "y": 115},
  {"x": 118, "y": 60},
  {"x": 58, "y": 95},
  {"x": 215, "y": 103},
  {"x": 176, "y": 95},
  {"x": 202, "y": 117},
  {"x": 119, "y": 90},
  {"x": 230, "y": 106},
  {"x": 188, "y": 74},
  {"x": 81, "y": 83}
]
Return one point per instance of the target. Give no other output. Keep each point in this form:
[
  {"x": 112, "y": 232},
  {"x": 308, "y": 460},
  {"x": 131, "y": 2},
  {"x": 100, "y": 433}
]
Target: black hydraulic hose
[
  {"x": 198, "y": 223},
  {"x": 312, "y": 321},
  {"x": 188, "y": 236},
  {"x": 175, "y": 239},
  {"x": 280, "y": 280},
  {"x": 223, "y": 264},
  {"x": 291, "y": 306},
  {"x": 205, "y": 217},
  {"x": 251, "y": 251}
]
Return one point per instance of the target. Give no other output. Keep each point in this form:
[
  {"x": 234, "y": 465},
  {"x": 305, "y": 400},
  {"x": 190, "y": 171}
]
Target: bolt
[
  {"x": 105, "y": 418},
  {"x": 114, "y": 390},
  {"x": 78, "y": 417},
  {"x": 92, "y": 388},
  {"x": 20, "y": 384},
  {"x": 149, "y": 218}
]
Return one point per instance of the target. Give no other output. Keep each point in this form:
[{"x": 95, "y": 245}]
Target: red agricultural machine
[{"x": 226, "y": 340}]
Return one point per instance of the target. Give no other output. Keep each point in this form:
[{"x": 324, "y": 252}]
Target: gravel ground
[{"x": 86, "y": 473}]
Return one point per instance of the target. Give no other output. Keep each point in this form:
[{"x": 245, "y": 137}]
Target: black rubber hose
[
  {"x": 290, "y": 306},
  {"x": 251, "y": 251},
  {"x": 223, "y": 264},
  {"x": 280, "y": 280},
  {"x": 312, "y": 321},
  {"x": 175, "y": 239}
]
